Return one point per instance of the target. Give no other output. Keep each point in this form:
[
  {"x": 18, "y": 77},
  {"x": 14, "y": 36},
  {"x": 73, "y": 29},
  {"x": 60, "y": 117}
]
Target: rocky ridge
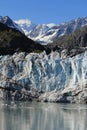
[
  {"x": 10, "y": 23},
  {"x": 12, "y": 40}
]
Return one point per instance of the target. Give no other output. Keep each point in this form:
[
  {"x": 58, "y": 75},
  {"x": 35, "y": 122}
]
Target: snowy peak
[
  {"x": 26, "y": 25},
  {"x": 6, "y": 20},
  {"x": 47, "y": 33},
  {"x": 10, "y": 23}
]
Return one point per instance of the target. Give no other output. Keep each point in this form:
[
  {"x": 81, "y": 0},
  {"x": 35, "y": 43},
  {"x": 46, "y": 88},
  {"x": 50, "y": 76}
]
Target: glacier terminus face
[{"x": 50, "y": 75}]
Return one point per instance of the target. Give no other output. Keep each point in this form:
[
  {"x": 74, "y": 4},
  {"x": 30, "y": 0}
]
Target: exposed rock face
[
  {"x": 75, "y": 40},
  {"x": 10, "y": 23},
  {"x": 23, "y": 76}
]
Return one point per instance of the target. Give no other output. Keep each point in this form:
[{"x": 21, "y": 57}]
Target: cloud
[{"x": 23, "y": 21}]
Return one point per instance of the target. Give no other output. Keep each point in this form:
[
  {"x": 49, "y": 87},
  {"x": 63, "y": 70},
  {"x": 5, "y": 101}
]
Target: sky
[{"x": 44, "y": 11}]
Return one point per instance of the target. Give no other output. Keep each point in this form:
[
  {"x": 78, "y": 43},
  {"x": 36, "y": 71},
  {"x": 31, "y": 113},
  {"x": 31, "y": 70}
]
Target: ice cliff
[{"x": 50, "y": 77}]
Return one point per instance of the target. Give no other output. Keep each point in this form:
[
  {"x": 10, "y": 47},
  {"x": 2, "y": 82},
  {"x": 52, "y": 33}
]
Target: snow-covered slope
[
  {"x": 10, "y": 23},
  {"x": 26, "y": 25},
  {"x": 44, "y": 73},
  {"x": 46, "y": 33}
]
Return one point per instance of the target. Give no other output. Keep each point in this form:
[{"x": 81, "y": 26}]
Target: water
[{"x": 42, "y": 116}]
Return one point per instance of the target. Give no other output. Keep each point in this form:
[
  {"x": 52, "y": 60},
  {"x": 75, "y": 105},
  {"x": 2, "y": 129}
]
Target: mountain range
[
  {"x": 47, "y": 33},
  {"x": 15, "y": 36},
  {"x": 44, "y": 33}
]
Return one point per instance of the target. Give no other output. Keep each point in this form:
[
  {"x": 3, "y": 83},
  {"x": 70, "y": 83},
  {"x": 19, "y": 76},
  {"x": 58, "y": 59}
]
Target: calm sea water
[{"x": 42, "y": 116}]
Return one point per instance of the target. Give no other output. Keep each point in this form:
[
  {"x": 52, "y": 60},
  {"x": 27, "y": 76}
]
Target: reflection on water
[{"x": 42, "y": 116}]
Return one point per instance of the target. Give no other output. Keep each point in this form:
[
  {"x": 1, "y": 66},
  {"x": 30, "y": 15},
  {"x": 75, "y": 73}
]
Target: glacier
[{"x": 50, "y": 77}]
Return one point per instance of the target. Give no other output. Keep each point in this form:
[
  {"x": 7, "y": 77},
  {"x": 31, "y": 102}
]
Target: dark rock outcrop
[{"x": 12, "y": 41}]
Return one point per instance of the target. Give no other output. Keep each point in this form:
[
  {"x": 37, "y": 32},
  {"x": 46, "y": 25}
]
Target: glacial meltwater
[{"x": 42, "y": 116}]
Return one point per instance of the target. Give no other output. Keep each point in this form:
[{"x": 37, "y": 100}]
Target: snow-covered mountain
[
  {"x": 10, "y": 23},
  {"x": 26, "y": 25},
  {"x": 46, "y": 33}
]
